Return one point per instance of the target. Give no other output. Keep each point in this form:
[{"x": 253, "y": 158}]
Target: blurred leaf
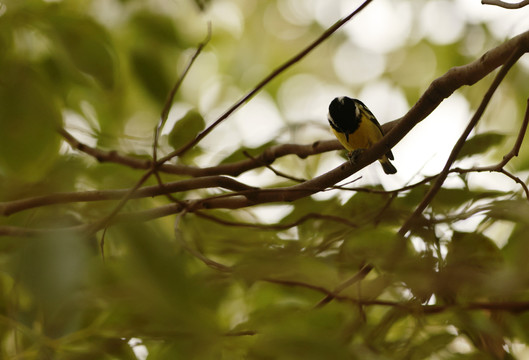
[
  {"x": 418, "y": 272},
  {"x": 186, "y": 129},
  {"x": 430, "y": 346},
  {"x": 29, "y": 115},
  {"x": 377, "y": 335},
  {"x": 471, "y": 259},
  {"x": 448, "y": 199},
  {"x": 238, "y": 154},
  {"x": 480, "y": 143},
  {"x": 150, "y": 71},
  {"x": 281, "y": 265},
  {"x": 368, "y": 246},
  {"x": 155, "y": 27},
  {"x": 53, "y": 268},
  {"x": 516, "y": 211},
  {"x": 88, "y": 46},
  {"x": 288, "y": 333},
  {"x": 515, "y": 252},
  {"x": 473, "y": 250},
  {"x": 202, "y": 4}
]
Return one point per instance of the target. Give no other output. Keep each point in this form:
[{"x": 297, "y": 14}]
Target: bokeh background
[{"x": 102, "y": 69}]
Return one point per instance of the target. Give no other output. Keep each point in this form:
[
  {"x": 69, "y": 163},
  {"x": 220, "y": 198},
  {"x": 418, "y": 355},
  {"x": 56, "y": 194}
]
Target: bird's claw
[{"x": 353, "y": 155}]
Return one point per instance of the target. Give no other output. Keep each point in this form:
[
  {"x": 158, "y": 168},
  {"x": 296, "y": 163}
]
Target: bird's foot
[{"x": 353, "y": 155}]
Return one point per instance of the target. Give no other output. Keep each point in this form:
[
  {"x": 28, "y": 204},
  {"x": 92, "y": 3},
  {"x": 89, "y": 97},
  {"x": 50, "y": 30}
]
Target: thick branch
[{"x": 11, "y": 207}]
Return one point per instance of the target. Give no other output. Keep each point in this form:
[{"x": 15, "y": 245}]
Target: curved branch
[
  {"x": 268, "y": 156},
  {"x": 274, "y": 227},
  {"x": 11, "y": 207},
  {"x": 506, "y": 5}
]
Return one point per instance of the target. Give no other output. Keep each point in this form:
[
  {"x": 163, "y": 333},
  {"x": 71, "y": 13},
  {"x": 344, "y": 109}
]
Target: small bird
[{"x": 357, "y": 128}]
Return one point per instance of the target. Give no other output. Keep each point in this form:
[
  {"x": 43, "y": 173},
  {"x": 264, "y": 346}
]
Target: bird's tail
[{"x": 387, "y": 166}]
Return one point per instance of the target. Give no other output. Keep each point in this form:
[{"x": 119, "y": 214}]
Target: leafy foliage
[{"x": 325, "y": 276}]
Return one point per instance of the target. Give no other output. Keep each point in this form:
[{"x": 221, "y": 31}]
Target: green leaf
[
  {"x": 88, "y": 46},
  {"x": 151, "y": 72},
  {"x": 516, "y": 211},
  {"x": 186, "y": 129},
  {"x": 155, "y": 27},
  {"x": 430, "y": 346},
  {"x": 473, "y": 250},
  {"x": 29, "y": 116},
  {"x": 368, "y": 245},
  {"x": 448, "y": 199},
  {"x": 480, "y": 143},
  {"x": 471, "y": 261}
]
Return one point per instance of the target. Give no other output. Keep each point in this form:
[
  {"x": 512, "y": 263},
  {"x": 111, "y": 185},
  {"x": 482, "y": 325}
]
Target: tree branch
[
  {"x": 268, "y": 156},
  {"x": 461, "y": 141},
  {"x": 276, "y": 227},
  {"x": 506, "y": 5},
  {"x": 438, "y": 90},
  {"x": 11, "y": 207}
]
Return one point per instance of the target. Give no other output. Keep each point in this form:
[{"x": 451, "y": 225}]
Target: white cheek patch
[
  {"x": 331, "y": 119},
  {"x": 357, "y": 112}
]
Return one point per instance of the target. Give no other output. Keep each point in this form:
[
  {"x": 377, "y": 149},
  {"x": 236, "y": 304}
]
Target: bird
[{"x": 357, "y": 129}]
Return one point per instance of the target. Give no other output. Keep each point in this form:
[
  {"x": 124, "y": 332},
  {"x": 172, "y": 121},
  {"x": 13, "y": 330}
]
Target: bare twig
[
  {"x": 290, "y": 225},
  {"x": 506, "y": 5},
  {"x": 296, "y": 58},
  {"x": 277, "y": 172},
  {"x": 411, "y": 306},
  {"x": 519, "y": 140},
  {"x": 360, "y": 275},
  {"x": 172, "y": 93},
  {"x": 207, "y": 261},
  {"x": 499, "y": 167},
  {"x": 165, "y": 112}
]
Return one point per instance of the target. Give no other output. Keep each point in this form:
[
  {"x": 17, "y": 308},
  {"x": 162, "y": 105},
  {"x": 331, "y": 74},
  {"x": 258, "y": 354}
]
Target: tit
[{"x": 357, "y": 128}]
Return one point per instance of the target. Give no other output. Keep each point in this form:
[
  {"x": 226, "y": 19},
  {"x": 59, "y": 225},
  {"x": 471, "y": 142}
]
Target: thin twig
[
  {"x": 277, "y": 172},
  {"x": 411, "y": 306},
  {"x": 169, "y": 102},
  {"x": 360, "y": 275},
  {"x": 276, "y": 227},
  {"x": 165, "y": 113},
  {"x": 296, "y": 58},
  {"x": 207, "y": 261},
  {"x": 461, "y": 141},
  {"x": 506, "y": 5},
  {"x": 519, "y": 140}
]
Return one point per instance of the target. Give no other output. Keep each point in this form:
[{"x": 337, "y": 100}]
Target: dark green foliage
[
  {"x": 186, "y": 129},
  {"x": 323, "y": 277},
  {"x": 480, "y": 143}
]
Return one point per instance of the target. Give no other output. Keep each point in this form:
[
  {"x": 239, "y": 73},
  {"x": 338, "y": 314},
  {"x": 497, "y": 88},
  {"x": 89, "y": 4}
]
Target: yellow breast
[{"x": 366, "y": 135}]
